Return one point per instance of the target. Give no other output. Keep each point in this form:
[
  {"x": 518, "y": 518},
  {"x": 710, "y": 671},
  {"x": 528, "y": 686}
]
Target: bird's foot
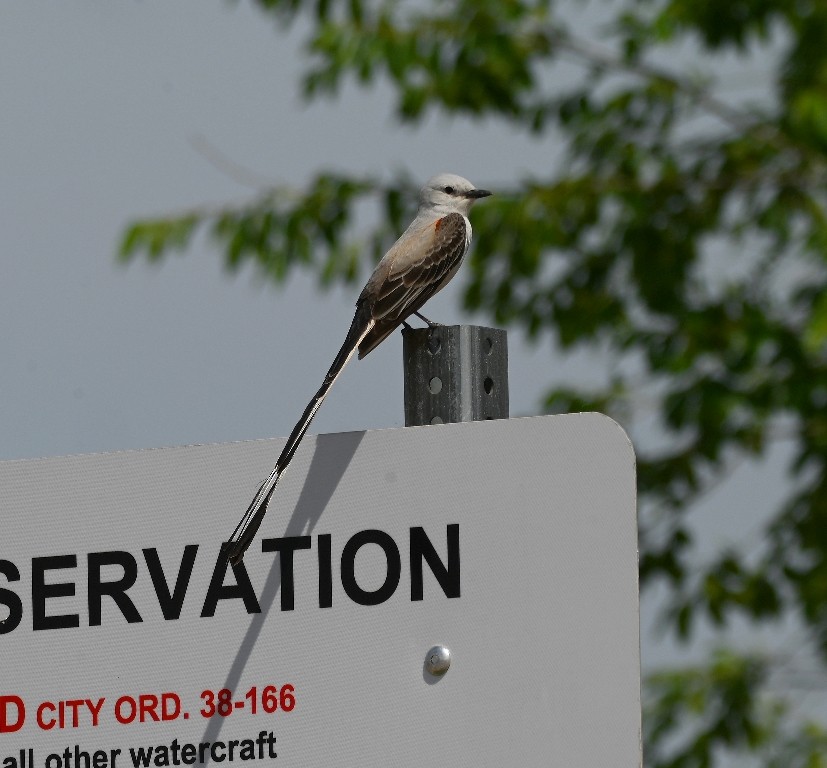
[{"x": 431, "y": 323}]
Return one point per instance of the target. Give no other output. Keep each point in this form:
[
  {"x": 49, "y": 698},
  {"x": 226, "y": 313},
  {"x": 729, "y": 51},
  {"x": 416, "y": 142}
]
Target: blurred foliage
[
  {"x": 684, "y": 233},
  {"x": 704, "y": 715}
]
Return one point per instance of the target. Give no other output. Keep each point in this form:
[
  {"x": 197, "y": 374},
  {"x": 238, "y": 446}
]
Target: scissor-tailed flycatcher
[{"x": 418, "y": 265}]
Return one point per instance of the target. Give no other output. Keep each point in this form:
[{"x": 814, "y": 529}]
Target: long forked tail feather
[{"x": 246, "y": 529}]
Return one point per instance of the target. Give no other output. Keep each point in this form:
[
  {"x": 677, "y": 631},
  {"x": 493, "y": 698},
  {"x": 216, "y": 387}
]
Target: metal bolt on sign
[{"x": 438, "y": 660}]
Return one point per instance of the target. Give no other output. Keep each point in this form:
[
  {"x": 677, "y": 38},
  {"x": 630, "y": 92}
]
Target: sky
[{"x": 104, "y": 112}]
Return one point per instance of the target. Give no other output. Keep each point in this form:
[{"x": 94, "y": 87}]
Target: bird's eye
[{"x": 448, "y": 190}]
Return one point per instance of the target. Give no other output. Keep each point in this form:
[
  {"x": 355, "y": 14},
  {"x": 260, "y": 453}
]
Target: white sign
[{"x": 126, "y": 642}]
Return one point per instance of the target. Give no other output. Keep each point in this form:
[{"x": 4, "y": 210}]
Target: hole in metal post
[
  {"x": 488, "y": 385},
  {"x": 489, "y": 345},
  {"x": 435, "y": 385},
  {"x": 434, "y": 344}
]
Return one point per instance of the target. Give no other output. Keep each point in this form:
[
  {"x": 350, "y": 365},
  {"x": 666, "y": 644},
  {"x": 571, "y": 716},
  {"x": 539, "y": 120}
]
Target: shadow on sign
[{"x": 330, "y": 460}]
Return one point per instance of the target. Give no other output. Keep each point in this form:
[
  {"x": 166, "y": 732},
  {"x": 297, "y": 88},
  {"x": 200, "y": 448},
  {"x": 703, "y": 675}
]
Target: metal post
[{"x": 455, "y": 373}]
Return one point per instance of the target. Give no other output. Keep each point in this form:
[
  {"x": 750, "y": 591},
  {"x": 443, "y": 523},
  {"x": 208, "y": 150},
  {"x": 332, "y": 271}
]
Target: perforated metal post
[{"x": 455, "y": 373}]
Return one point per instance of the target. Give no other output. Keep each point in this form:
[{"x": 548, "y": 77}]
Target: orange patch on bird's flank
[{"x": 437, "y": 225}]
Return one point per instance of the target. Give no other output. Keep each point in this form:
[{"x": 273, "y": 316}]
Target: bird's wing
[{"x": 419, "y": 266}]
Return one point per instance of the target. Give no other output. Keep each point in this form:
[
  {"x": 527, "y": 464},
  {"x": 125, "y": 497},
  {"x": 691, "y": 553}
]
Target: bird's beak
[{"x": 476, "y": 194}]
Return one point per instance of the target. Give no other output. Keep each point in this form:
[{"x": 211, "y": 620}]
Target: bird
[{"x": 416, "y": 267}]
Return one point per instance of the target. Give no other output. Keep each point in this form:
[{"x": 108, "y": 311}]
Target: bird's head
[{"x": 449, "y": 193}]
